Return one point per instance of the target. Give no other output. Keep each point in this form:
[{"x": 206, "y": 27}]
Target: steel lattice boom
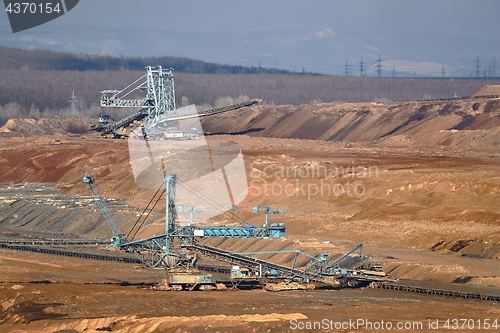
[
  {"x": 156, "y": 107},
  {"x": 118, "y": 237},
  {"x": 179, "y": 248}
]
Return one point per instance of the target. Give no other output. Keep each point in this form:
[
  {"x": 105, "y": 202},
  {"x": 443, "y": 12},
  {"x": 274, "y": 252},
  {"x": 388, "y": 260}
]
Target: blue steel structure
[
  {"x": 179, "y": 247},
  {"x": 273, "y": 231},
  {"x": 160, "y": 93},
  {"x": 156, "y": 107},
  {"x": 118, "y": 237},
  {"x": 167, "y": 251},
  {"x": 275, "y": 227}
]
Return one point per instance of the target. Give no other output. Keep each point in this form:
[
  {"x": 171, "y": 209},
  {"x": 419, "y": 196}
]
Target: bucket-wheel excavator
[{"x": 157, "y": 106}]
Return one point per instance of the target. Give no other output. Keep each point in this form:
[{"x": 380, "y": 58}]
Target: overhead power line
[{"x": 379, "y": 66}]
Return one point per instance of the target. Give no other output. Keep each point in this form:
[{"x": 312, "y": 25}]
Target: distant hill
[
  {"x": 469, "y": 125},
  {"x": 14, "y": 58},
  {"x": 488, "y": 90},
  {"x": 37, "y": 83}
]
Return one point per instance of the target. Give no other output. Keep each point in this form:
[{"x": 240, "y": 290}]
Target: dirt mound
[
  {"x": 488, "y": 90},
  {"x": 375, "y": 194},
  {"x": 367, "y": 122},
  {"x": 167, "y": 323},
  {"x": 431, "y": 123},
  {"x": 29, "y": 126},
  {"x": 419, "y": 175}
]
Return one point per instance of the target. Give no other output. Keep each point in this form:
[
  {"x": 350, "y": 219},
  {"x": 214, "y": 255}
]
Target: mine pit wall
[
  {"x": 445, "y": 273},
  {"x": 32, "y": 209},
  {"x": 40, "y": 210},
  {"x": 339, "y": 122},
  {"x": 461, "y": 127},
  {"x": 360, "y": 122}
]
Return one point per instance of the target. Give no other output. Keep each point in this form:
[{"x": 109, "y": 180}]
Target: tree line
[
  {"x": 51, "y": 90},
  {"x": 43, "y": 91},
  {"x": 14, "y": 58}
]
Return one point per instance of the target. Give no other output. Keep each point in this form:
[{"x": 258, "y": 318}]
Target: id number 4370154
[
  {"x": 471, "y": 324},
  {"x": 33, "y": 8}
]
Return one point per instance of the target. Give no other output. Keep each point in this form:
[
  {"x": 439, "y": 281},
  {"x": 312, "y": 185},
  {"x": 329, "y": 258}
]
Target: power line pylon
[
  {"x": 494, "y": 68},
  {"x": 73, "y": 101},
  {"x": 362, "y": 68},
  {"x": 477, "y": 67},
  {"x": 379, "y": 66}
]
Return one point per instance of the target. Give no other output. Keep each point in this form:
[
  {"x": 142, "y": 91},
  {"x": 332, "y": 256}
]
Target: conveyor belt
[
  {"x": 263, "y": 265},
  {"x": 253, "y": 262},
  {"x": 71, "y": 253},
  {"x": 214, "y": 111},
  {"x": 87, "y": 242},
  {"x": 432, "y": 291}
]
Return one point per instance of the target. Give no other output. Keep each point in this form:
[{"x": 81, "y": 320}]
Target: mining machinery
[
  {"x": 118, "y": 237},
  {"x": 156, "y": 107},
  {"x": 178, "y": 249}
]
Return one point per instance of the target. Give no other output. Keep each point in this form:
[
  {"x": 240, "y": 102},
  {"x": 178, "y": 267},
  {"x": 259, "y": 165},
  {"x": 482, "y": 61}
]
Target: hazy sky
[
  {"x": 320, "y": 35},
  {"x": 215, "y": 16}
]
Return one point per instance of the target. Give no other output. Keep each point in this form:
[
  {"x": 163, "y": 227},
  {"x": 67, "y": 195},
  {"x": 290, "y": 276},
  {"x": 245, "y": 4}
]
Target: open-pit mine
[{"x": 356, "y": 216}]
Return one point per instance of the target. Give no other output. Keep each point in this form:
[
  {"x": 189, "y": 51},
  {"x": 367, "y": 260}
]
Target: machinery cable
[
  {"x": 144, "y": 211},
  {"x": 211, "y": 202}
]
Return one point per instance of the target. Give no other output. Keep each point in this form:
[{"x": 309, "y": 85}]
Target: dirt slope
[
  {"x": 453, "y": 125},
  {"x": 30, "y": 127},
  {"x": 488, "y": 90},
  {"x": 420, "y": 175},
  {"x": 417, "y": 183},
  {"x": 424, "y": 122}
]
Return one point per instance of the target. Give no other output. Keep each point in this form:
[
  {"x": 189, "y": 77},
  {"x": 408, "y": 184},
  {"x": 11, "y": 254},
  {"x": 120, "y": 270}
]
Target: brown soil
[
  {"x": 489, "y": 90},
  {"x": 416, "y": 183},
  {"x": 43, "y": 293}
]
